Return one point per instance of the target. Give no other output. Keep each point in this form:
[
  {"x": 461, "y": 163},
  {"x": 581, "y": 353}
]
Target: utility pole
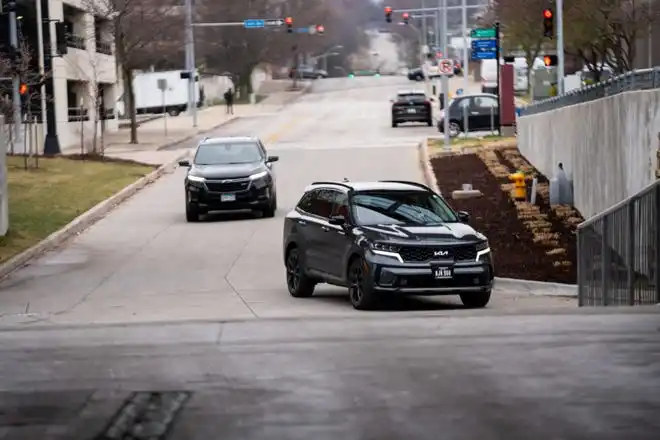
[
  {"x": 560, "y": 47},
  {"x": 424, "y": 27},
  {"x": 16, "y": 95},
  {"x": 445, "y": 78},
  {"x": 465, "y": 65},
  {"x": 52, "y": 142},
  {"x": 190, "y": 62}
]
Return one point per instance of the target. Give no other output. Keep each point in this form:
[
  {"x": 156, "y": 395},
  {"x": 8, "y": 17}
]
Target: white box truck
[{"x": 163, "y": 92}]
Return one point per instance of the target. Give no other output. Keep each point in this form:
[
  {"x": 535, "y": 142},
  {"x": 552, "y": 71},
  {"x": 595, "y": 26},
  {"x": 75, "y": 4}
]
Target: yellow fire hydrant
[{"x": 519, "y": 191}]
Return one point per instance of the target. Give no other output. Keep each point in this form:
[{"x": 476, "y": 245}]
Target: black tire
[
  {"x": 360, "y": 292},
  {"x": 429, "y": 122},
  {"x": 299, "y": 284},
  {"x": 269, "y": 211},
  {"x": 475, "y": 300},
  {"x": 394, "y": 123},
  {"x": 192, "y": 212},
  {"x": 173, "y": 112}
]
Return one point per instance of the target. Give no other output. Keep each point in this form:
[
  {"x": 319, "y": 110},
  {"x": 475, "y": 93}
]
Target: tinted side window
[
  {"x": 305, "y": 203},
  {"x": 340, "y": 204},
  {"x": 322, "y": 203}
]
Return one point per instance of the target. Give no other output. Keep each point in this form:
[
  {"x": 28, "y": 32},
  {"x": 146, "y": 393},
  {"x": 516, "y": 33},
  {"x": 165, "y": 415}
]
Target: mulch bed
[{"x": 532, "y": 242}]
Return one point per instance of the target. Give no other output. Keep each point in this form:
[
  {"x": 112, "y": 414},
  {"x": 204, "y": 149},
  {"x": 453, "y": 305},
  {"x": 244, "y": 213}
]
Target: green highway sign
[{"x": 483, "y": 33}]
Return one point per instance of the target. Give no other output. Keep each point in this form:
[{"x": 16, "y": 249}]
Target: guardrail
[
  {"x": 619, "y": 253},
  {"x": 635, "y": 80}
]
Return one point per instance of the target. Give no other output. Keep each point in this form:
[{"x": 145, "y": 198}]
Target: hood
[
  {"x": 226, "y": 171},
  {"x": 446, "y": 233}
]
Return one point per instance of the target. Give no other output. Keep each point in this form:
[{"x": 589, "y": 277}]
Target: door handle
[{"x": 302, "y": 222}]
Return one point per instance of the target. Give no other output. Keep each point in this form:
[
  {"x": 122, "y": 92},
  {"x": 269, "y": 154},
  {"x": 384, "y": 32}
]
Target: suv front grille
[
  {"x": 422, "y": 254},
  {"x": 228, "y": 185}
]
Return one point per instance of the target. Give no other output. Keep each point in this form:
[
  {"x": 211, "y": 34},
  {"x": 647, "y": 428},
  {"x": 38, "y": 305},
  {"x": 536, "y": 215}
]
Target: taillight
[{"x": 427, "y": 102}]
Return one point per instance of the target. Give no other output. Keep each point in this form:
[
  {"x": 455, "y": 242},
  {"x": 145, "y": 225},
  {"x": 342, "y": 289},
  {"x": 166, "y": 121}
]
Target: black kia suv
[
  {"x": 411, "y": 106},
  {"x": 384, "y": 237},
  {"x": 229, "y": 174}
]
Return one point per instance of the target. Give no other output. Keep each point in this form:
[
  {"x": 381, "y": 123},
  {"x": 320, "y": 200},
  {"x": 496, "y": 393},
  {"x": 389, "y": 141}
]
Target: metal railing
[
  {"x": 635, "y": 80},
  {"x": 619, "y": 252}
]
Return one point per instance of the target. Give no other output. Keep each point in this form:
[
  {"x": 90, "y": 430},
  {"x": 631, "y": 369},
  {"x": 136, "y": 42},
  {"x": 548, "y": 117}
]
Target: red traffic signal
[
  {"x": 288, "y": 20},
  {"x": 550, "y": 60},
  {"x": 406, "y": 17},
  {"x": 547, "y": 13},
  {"x": 548, "y": 23},
  {"x": 320, "y": 29},
  {"x": 23, "y": 89},
  {"x": 388, "y": 14},
  {"x": 289, "y": 24}
]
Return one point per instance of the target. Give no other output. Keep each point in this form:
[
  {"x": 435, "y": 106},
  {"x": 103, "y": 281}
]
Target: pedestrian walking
[{"x": 229, "y": 100}]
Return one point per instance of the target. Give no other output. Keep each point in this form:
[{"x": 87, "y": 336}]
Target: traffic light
[
  {"x": 548, "y": 23},
  {"x": 550, "y": 60},
  {"x": 289, "y": 24},
  {"x": 23, "y": 89},
  {"x": 406, "y": 18},
  {"x": 320, "y": 29},
  {"x": 388, "y": 14}
]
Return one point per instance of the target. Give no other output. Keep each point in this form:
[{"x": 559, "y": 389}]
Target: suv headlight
[
  {"x": 385, "y": 247},
  {"x": 260, "y": 175},
  {"x": 196, "y": 179},
  {"x": 483, "y": 249}
]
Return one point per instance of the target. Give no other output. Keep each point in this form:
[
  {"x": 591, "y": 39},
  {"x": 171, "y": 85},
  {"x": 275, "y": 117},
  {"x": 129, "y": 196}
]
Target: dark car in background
[
  {"x": 384, "y": 238},
  {"x": 230, "y": 174},
  {"x": 412, "y": 106},
  {"x": 307, "y": 72},
  {"x": 482, "y": 112},
  {"x": 416, "y": 74}
]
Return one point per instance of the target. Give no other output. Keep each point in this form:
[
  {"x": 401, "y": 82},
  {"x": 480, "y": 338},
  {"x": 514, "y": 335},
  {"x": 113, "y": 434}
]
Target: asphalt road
[
  {"x": 144, "y": 263},
  {"x": 547, "y": 377}
]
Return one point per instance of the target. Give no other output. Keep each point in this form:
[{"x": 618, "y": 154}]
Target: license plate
[
  {"x": 412, "y": 110},
  {"x": 442, "y": 273},
  {"x": 228, "y": 198}
]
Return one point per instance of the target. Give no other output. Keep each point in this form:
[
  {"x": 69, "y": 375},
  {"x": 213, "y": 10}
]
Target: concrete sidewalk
[{"x": 153, "y": 137}]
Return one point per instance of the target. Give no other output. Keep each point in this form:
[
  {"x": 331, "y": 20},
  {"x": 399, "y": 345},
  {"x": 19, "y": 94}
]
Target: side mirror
[
  {"x": 338, "y": 220},
  {"x": 184, "y": 163},
  {"x": 464, "y": 217},
  {"x": 272, "y": 159}
]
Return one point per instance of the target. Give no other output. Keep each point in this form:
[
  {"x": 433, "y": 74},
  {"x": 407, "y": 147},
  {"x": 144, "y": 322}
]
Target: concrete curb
[
  {"x": 194, "y": 135},
  {"x": 539, "y": 288},
  {"x": 425, "y": 165},
  {"x": 86, "y": 219}
]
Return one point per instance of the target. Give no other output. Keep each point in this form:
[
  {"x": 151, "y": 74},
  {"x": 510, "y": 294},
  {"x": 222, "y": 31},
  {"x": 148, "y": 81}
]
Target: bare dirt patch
[{"x": 532, "y": 242}]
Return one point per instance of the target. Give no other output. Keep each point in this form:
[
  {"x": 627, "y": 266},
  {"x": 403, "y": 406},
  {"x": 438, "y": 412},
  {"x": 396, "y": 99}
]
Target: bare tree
[
  {"x": 139, "y": 27},
  {"x": 31, "y": 80}
]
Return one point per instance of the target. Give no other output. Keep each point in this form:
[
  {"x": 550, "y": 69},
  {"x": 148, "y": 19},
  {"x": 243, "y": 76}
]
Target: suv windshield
[
  {"x": 228, "y": 154},
  {"x": 401, "y": 208},
  {"x": 411, "y": 97}
]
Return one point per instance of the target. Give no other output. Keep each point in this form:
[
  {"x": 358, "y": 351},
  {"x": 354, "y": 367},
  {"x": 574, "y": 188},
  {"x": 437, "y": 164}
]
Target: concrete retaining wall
[{"x": 608, "y": 145}]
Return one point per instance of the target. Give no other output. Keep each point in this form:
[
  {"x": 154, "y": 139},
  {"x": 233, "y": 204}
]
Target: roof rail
[
  {"x": 407, "y": 182},
  {"x": 333, "y": 183}
]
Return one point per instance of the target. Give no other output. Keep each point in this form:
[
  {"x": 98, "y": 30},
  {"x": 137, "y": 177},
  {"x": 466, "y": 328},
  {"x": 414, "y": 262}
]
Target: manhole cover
[{"x": 145, "y": 415}]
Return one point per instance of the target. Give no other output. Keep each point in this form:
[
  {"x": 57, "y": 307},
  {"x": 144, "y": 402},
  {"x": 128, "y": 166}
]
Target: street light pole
[
  {"x": 560, "y": 47},
  {"x": 190, "y": 62},
  {"x": 465, "y": 64},
  {"x": 42, "y": 70},
  {"x": 445, "y": 78},
  {"x": 16, "y": 95},
  {"x": 52, "y": 142}
]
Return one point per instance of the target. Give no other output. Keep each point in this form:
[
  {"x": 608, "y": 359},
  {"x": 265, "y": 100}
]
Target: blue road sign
[
  {"x": 459, "y": 92},
  {"x": 490, "y": 55},
  {"x": 304, "y": 30},
  {"x": 484, "y": 44},
  {"x": 253, "y": 24}
]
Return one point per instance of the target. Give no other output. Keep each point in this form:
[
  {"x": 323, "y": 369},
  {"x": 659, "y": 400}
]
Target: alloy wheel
[
  {"x": 293, "y": 271},
  {"x": 356, "y": 284}
]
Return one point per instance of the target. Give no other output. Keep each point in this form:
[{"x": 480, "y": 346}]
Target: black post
[
  {"x": 51, "y": 143},
  {"x": 497, "y": 61}
]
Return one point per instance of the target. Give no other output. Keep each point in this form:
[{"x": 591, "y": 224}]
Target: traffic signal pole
[
  {"x": 16, "y": 94},
  {"x": 560, "y": 47},
  {"x": 190, "y": 62}
]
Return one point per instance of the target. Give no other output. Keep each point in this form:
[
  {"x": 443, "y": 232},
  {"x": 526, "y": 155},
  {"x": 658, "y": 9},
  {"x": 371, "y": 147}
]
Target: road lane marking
[{"x": 284, "y": 129}]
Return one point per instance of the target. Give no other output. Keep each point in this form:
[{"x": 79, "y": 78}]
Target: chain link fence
[
  {"x": 619, "y": 252},
  {"x": 636, "y": 80}
]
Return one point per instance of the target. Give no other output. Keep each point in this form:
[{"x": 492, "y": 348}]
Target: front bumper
[
  {"x": 389, "y": 275},
  {"x": 256, "y": 196}
]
